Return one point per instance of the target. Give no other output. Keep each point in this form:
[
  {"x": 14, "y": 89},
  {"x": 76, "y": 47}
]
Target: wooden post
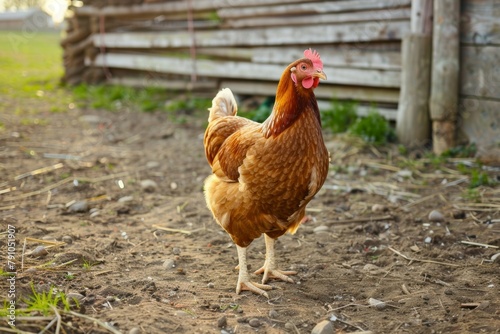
[
  {"x": 445, "y": 74},
  {"x": 412, "y": 125}
]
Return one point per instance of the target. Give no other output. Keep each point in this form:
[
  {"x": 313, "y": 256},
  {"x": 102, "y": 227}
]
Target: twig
[
  {"x": 168, "y": 229},
  {"x": 97, "y": 321},
  {"x": 16, "y": 331},
  {"x": 420, "y": 260},
  {"x": 49, "y": 325},
  {"x": 420, "y": 200},
  {"x": 470, "y": 305},
  {"x": 8, "y": 207},
  {"x": 58, "y": 317},
  {"x": 39, "y": 171},
  {"x": 477, "y": 244},
  {"x": 361, "y": 220}
]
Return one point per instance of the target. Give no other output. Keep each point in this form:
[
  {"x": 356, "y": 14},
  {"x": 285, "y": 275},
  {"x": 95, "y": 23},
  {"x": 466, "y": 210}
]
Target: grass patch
[
  {"x": 340, "y": 117},
  {"x": 30, "y": 71}
]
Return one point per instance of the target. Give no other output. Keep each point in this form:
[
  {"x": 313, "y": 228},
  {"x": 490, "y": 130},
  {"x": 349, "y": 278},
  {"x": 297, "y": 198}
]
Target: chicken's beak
[{"x": 320, "y": 74}]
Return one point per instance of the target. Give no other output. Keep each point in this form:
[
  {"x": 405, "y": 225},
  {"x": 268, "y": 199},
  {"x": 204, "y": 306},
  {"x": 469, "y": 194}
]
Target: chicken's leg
[
  {"x": 269, "y": 267},
  {"x": 244, "y": 282}
]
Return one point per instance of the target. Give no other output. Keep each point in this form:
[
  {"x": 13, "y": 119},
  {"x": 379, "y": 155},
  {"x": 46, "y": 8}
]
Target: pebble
[
  {"x": 273, "y": 314},
  {"x": 405, "y": 173},
  {"x": 379, "y": 305},
  {"x": 211, "y": 285},
  {"x": 289, "y": 326},
  {"x": 323, "y": 327},
  {"x": 436, "y": 216},
  {"x": 152, "y": 164},
  {"x": 95, "y": 214},
  {"x": 126, "y": 199},
  {"x": 169, "y": 264},
  {"x": 428, "y": 240},
  {"x": 149, "y": 186},
  {"x": 79, "y": 206},
  {"x": 39, "y": 251},
  {"x": 321, "y": 228},
  {"x": 67, "y": 239},
  {"x": 173, "y": 185},
  {"x": 495, "y": 257},
  {"x": 176, "y": 251},
  {"x": 181, "y": 314},
  {"x": 134, "y": 330},
  {"x": 370, "y": 267},
  {"x": 222, "y": 322},
  {"x": 254, "y": 322},
  {"x": 379, "y": 208}
]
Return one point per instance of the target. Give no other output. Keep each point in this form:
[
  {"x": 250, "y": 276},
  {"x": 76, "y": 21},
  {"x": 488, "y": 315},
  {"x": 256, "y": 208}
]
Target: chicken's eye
[{"x": 303, "y": 67}]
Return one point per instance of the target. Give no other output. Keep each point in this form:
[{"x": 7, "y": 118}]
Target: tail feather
[{"x": 223, "y": 104}]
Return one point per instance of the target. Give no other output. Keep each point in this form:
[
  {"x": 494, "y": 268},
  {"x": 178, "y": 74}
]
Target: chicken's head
[{"x": 307, "y": 71}]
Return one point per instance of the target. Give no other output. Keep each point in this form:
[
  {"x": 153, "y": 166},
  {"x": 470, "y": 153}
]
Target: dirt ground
[{"x": 146, "y": 256}]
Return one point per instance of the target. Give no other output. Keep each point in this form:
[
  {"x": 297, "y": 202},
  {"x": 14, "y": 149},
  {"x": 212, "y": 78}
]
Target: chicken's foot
[
  {"x": 244, "y": 282},
  {"x": 269, "y": 268}
]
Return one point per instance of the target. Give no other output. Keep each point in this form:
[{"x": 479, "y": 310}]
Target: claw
[{"x": 269, "y": 268}]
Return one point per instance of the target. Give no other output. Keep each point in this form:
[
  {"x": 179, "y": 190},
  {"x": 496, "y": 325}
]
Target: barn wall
[{"x": 479, "y": 108}]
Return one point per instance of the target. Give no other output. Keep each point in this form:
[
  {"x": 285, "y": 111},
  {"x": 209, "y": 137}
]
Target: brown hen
[{"x": 265, "y": 174}]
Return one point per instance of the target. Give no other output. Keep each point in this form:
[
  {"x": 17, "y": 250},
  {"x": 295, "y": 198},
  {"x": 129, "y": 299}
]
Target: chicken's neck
[{"x": 290, "y": 103}]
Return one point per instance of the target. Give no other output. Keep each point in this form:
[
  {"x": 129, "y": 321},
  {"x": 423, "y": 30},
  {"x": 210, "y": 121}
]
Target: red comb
[{"x": 313, "y": 55}]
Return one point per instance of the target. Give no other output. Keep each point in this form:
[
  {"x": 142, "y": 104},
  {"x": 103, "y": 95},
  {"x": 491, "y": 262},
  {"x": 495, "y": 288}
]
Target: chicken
[{"x": 265, "y": 174}]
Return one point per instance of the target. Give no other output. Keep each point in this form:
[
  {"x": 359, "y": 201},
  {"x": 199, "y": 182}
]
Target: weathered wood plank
[
  {"x": 357, "y": 56},
  {"x": 312, "y": 8},
  {"x": 480, "y": 22},
  {"x": 479, "y": 120},
  {"x": 172, "y": 7},
  {"x": 324, "y": 91},
  {"x": 445, "y": 74},
  {"x": 240, "y": 70},
  {"x": 162, "y": 83},
  {"x": 286, "y": 20},
  {"x": 353, "y": 32},
  {"x": 480, "y": 71}
]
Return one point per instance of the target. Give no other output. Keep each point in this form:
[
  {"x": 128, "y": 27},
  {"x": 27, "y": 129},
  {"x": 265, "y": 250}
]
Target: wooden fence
[{"x": 245, "y": 44}]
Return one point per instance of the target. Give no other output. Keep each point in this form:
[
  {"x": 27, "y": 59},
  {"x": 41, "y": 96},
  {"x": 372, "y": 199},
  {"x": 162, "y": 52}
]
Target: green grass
[{"x": 30, "y": 71}]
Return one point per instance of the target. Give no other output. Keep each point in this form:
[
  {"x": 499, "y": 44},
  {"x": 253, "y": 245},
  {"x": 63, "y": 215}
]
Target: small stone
[
  {"x": 273, "y": 314},
  {"x": 379, "y": 305},
  {"x": 289, "y": 326},
  {"x": 458, "y": 214},
  {"x": 495, "y": 257},
  {"x": 95, "y": 214},
  {"x": 67, "y": 239},
  {"x": 79, "y": 206},
  {"x": 39, "y": 251},
  {"x": 222, "y": 322},
  {"x": 181, "y": 314},
  {"x": 254, "y": 322},
  {"x": 428, "y": 240},
  {"x": 323, "y": 327},
  {"x": 321, "y": 228},
  {"x": 173, "y": 185},
  {"x": 415, "y": 248},
  {"x": 211, "y": 285},
  {"x": 404, "y": 173},
  {"x": 448, "y": 292},
  {"x": 134, "y": 330},
  {"x": 176, "y": 251},
  {"x": 370, "y": 267},
  {"x": 169, "y": 264},
  {"x": 436, "y": 216},
  {"x": 149, "y": 186},
  {"x": 152, "y": 164},
  {"x": 379, "y": 208},
  {"x": 126, "y": 199}
]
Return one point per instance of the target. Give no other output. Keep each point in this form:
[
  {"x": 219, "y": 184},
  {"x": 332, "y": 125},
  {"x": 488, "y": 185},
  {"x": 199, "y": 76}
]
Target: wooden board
[
  {"x": 324, "y": 91},
  {"x": 240, "y": 70},
  {"x": 311, "y": 8},
  {"x": 479, "y": 120},
  {"x": 287, "y": 20},
  {"x": 345, "y": 33},
  {"x": 172, "y": 7},
  {"x": 480, "y": 71},
  {"x": 480, "y": 23}
]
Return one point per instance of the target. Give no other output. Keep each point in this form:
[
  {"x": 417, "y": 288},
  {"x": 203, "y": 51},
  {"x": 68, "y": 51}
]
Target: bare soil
[{"x": 132, "y": 273}]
